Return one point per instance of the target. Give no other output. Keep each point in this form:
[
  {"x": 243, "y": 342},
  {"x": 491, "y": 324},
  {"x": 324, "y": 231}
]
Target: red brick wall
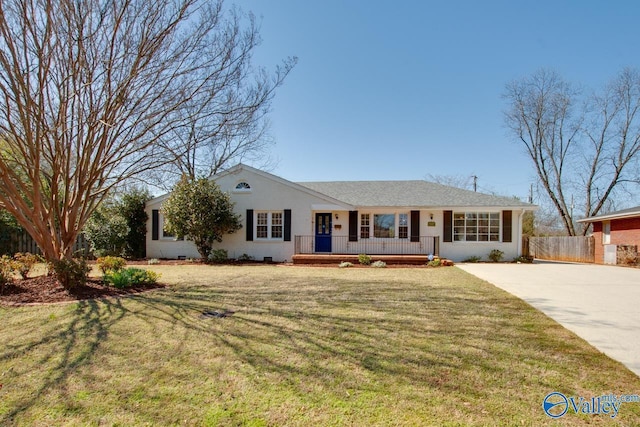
[{"x": 624, "y": 231}]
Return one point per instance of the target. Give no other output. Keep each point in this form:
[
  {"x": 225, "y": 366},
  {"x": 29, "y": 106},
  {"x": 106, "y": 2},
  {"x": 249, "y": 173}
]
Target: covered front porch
[
  {"x": 309, "y": 249},
  {"x": 338, "y": 258}
]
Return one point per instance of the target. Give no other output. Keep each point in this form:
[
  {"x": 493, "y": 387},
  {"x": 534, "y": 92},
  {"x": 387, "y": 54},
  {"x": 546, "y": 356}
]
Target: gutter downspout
[{"x": 520, "y": 218}]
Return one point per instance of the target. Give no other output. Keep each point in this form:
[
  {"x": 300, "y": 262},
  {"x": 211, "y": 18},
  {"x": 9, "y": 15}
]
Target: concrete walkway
[{"x": 599, "y": 303}]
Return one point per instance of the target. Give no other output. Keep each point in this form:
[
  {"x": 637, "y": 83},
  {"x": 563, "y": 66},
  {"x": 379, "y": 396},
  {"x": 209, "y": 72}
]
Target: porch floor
[{"x": 338, "y": 258}]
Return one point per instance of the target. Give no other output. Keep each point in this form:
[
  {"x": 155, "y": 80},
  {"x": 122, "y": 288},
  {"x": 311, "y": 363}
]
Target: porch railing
[{"x": 341, "y": 245}]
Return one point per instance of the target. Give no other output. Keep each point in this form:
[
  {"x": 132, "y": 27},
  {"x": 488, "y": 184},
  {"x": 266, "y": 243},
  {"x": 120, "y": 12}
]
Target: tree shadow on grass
[
  {"x": 64, "y": 348},
  {"x": 338, "y": 340},
  {"x": 429, "y": 339}
]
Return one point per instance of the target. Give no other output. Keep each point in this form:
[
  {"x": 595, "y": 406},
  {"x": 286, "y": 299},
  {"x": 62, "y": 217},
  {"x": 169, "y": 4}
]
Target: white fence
[{"x": 341, "y": 245}]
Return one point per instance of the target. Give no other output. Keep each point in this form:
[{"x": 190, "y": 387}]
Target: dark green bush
[
  {"x": 71, "y": 272},
  {"x": 132, "y": 205},
  {"x": 106, "y": 230},
  {"x": 218, "y": 256},
  {"x": 131, "y": 277}
]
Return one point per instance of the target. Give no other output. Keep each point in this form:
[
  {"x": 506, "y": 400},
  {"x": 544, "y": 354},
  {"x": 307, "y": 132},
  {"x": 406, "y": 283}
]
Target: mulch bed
[{"x": 46, "y": 289}]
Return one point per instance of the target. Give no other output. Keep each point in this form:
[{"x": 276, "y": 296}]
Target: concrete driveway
[{"x": 599, "y": 303}]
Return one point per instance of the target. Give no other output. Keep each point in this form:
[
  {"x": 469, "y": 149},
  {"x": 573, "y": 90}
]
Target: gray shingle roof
[
  {"x": 625, "y": 213},
  {"x": 409, "y": 194}
]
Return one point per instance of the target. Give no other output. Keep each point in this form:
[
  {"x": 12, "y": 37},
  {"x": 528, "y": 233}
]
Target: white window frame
[
  {"x": 471, "y": 226},
  {"x": 366, "y": 223},
  {"x": 242, "y": 187},
  {"x": 272, "y": 225},
  {"x": 407, "y": 225}
]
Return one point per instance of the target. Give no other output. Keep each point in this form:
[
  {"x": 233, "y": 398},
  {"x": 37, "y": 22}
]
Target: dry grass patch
[{"x": 304, "y": 346}]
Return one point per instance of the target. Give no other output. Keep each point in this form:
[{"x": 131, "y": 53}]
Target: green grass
[{"x": 305, "y": 346}]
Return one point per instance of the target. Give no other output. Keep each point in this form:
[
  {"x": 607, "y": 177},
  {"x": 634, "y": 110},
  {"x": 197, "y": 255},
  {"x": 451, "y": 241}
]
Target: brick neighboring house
[{"x": 616, "y": 236}]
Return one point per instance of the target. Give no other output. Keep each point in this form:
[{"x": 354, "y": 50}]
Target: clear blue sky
[{"x": 403, "y": 89}]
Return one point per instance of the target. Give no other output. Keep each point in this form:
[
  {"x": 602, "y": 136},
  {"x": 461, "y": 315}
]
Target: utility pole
[
  {"x": 475, "y": 182},
  {"x": 531, "y": 194},
  {"x": 571, "y": 209}
]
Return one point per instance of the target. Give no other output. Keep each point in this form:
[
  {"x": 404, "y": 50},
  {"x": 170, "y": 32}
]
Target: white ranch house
[{"x": 281, "y": 218}]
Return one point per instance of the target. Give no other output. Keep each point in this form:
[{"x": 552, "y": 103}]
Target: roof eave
[{"x": 610, "y": 217}]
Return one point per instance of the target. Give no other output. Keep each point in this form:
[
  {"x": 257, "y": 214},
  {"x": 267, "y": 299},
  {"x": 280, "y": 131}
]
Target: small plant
[
  {"x": 153, "y": 261},
  {"x": 24, "y": 262},
  {"x": 364, "y": 259},
  {"x": 434, "y": 262},
  {"x": 496, "y": 255},
  {"x": 345, "y": 264},
  {"x": 523, "y": 260},
  {"x": 127, "y": 277},
  {"x": 110, "y": 264},
  {"x": 70, "y": 272},
  {"x": 245, "y": 258},
  {"x": 218, "y": 256},
  {"x": 120, "y": 279},
  {"x": 143, "y": 277},
  {"x": 379, "y": 264},
  {"x": 473, "y": 259}
]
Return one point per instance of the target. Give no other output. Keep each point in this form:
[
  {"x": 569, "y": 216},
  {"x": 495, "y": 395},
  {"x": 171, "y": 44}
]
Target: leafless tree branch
[
  {"x": 91, "y": 91},
  {"x": 580, "y": 149}
]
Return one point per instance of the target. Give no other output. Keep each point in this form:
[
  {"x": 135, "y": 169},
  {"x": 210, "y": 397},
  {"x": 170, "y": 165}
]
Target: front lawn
[{"x": 299, "y": 346}]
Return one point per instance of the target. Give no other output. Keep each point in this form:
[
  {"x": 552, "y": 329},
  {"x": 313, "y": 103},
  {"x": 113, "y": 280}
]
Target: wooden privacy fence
[
  {"x": 21, "y": 241},
  {"x": 561, "y": 248}
]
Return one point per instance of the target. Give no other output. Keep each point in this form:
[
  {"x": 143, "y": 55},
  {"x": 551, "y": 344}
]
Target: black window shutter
[
  {"x": 287, "y": 225},
  {"x": 447, "y": 226},
  {"x": 155, "y": 224},
  {"x": 415, "y": 226},
  {"x": 249, "y": 225},
  {"x": 353, "y": 226},
  {"x": 506, "y": 226}
]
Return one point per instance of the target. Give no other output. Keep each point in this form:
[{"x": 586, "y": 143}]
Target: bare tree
[
  {"x": 582, "y": 150},
  {"x": 613, "y": 141},
  {"x": 88, "y": 90},
  {"x": 226, "y": 121},
  {"x": 540, "y": 114}
]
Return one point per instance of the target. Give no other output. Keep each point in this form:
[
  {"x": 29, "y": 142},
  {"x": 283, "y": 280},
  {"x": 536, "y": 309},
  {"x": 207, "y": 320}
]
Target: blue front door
[{"x": 323, "y": 232}]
